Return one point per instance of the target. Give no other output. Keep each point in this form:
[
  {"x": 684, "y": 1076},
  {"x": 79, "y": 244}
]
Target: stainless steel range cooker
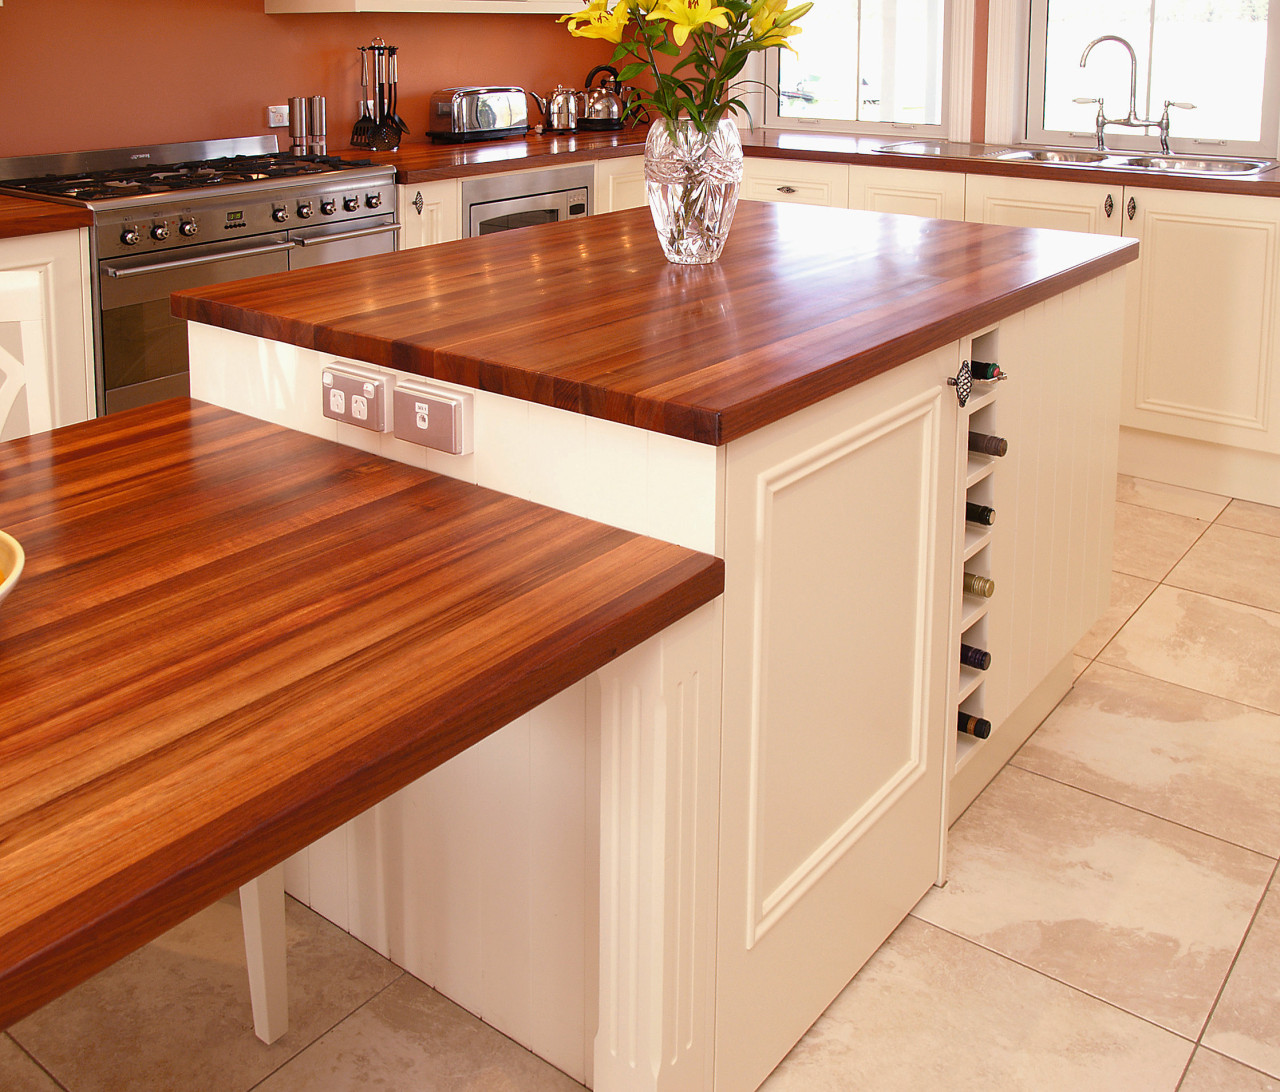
[{"x": 182, "y": 215}]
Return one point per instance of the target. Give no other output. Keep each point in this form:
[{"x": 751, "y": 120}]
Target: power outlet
[
  {"x": 277, "y": 117},
  {"x": 355, "y": 398},
  {"x": 433, "y": 417}
]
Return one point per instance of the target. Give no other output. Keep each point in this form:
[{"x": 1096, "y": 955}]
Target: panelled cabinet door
[
  {"x": 1044, "y": 203},
  {"x": 808, "y": 183},
  {"x": 936, "y": 194},
  {"x": 620, "y": 184},
  {"x": 1201, "y": 359},
  {"x": 428, "y": 213},
  {"x": 838, "y": 536}
]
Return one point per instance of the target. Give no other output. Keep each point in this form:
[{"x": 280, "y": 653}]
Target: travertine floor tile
[
  {"x": 1169, "y": 498},
  {"x": 1243, "y": 566},
  {"x": 1209, "y": 644},
  {"x": 1202, "y": 761},
  {"x": 1148, "y": 543},
  {"x": 410, "y": 1037},
  {"x": 18, "y": 1073},
  {"x": 1127, "y": 595},
  {"x": 1246, "y": 1023},
  {"x": 933, "y": 1011},
  {"x": 175, "y": 1015},
  {"x": 1210, "y": 1072},
  {"x": 1135, "y": 910},
  {"x": 1251, "y": 516}
]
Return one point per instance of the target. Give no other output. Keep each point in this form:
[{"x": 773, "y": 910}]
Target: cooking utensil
[
  {"x": 394, "y": 77},
  {"x": 363, "y": 128},
  {"x": 386, "y": 134}
]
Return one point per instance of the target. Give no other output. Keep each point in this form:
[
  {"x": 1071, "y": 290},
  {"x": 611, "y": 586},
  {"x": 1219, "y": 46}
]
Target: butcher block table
[{"x": 231, "y": 637}]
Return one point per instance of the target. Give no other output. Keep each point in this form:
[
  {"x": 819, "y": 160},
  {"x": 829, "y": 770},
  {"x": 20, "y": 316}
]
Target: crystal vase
[{"x": 692, "y": 181}]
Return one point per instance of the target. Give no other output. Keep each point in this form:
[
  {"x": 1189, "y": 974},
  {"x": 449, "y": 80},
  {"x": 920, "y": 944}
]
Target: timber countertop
[
  {"x": 25, "y": 216},
  {"x": 230, "y": 638},
  {"x": 588, "y": 316}
]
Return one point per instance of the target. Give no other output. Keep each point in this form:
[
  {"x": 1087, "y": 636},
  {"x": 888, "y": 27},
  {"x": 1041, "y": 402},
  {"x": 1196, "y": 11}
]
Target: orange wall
[{"x": 77, "y": 74}]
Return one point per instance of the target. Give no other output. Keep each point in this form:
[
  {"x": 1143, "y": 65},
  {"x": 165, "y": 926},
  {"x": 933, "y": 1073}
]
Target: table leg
[{"x": 262, "y": 912}]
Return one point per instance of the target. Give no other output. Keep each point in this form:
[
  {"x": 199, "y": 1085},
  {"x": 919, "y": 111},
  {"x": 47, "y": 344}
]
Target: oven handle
[
  {"x": 156, "y": 267},
  {"x": 316, "y": 240}
]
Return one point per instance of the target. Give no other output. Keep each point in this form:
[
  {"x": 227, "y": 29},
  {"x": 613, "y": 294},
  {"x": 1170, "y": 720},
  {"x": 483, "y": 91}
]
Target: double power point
[{"x": 421, "y": 413}]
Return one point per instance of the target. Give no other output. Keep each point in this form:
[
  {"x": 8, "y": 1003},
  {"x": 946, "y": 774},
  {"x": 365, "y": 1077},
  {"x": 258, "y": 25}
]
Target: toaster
[{"x": 477, "y": 113}]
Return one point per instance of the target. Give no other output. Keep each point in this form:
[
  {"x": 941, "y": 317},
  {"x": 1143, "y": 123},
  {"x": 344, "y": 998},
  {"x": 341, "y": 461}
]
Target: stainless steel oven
[
  {"x": 180, "y": 216},
  {"x": 503, "y": 201}
]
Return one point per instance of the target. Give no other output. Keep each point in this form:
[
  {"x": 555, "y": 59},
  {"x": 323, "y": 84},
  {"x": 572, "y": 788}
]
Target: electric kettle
[
  {"x": 560, "y": 108},
  {"x": 603, "y": 107}
]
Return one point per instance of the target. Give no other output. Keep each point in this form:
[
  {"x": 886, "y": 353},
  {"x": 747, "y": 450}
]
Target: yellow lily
[
  {"x": 687, "y": 16},
  {"x": 596, "y": 20}
]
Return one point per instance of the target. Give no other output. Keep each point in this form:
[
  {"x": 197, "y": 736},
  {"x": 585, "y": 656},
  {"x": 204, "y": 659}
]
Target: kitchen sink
[
  {"x": 1053, "y": 155},
  {"x": 1197, "y": 164}
]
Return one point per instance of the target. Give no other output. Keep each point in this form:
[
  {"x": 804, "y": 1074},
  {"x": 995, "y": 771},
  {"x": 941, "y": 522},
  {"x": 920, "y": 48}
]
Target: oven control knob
[
  {"x": 187, "y": 228},
  {"x": 329, "y": 206},
  {"x": 279, "y": 214},
  {"x": 304, "y": 210},
  {"x": 350, "y": 204},
  {"x": 373, "y": 200},
  {"x": 160, "y": 232},
  {"x": 130, "y": 236}
]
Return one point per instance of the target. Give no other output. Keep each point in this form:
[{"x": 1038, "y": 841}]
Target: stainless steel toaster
[{"x": 477, "y": 113}]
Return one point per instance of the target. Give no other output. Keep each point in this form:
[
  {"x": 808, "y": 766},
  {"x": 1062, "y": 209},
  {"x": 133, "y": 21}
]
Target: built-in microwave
[{"x": 500, "y": 202}]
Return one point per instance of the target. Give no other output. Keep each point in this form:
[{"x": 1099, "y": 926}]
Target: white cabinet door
[
  {"x": 428, "y": 213},
  {"x": 46, "y": 358},
  {"x": 838, "y": 553},
  {"x": 805, "y": 182},
  {"x": 937, "y": 194},
  {"x": 1202, "y": 354},
  {"x": 1045, "y": 203},
  {"x": 620, "y": 184}
]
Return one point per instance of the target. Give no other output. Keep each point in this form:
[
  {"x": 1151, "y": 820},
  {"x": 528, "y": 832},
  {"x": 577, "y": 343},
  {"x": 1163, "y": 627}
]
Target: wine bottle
[
  {"x": 988, "y": 445},
  {"x": 979, "y": 585},
  {"x": 979, "y": 513},
  {"x": 970, "y": 725},
  {"x": 975, "y": 657},
  {"x": 982, "y": 370}
]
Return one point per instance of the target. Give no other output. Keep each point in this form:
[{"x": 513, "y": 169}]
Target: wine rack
[{"x": 979, "y": 415}]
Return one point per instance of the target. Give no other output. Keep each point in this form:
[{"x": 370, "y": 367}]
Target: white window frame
[
  {"x": 1015, "y": 80},
  {"x": 957, "y": 90}
]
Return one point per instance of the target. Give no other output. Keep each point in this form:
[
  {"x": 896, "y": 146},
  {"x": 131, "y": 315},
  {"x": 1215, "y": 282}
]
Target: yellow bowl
[{"x": 11, "y": 559}]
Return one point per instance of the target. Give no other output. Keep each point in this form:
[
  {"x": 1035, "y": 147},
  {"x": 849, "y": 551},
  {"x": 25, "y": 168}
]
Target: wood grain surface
[
  {"x": 28, "y": 216},
  {"x": 230, "y": 638},
  {"x": 588, "y": 316}
]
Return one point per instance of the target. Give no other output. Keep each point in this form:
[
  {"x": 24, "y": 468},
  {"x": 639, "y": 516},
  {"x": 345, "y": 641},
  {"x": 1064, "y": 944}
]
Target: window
[
  {"x": 1211, "y": 53},
  {"x": 864, "y": 66}
]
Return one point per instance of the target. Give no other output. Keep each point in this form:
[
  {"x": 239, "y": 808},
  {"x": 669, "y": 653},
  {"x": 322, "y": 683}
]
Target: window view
[
  {"x": 1211, "y": 53},
  {"x": 865, "y": 61}
]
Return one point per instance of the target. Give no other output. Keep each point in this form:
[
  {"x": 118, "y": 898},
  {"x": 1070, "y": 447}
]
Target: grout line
[
  {"x": 35, "y": 1061},
  {"x": 1183, "y": 686}
]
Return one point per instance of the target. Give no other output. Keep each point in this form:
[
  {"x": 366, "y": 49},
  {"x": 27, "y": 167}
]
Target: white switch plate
[
  {"x": 277, "y": 116},
  {"x": 433, "y": 416}
]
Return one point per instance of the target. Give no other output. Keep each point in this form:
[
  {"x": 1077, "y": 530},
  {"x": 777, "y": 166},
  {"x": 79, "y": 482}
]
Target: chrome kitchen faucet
[{"x": 1132, "y": 121}]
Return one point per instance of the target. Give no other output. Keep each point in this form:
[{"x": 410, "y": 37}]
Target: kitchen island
[{"x": 788, "y": 410}]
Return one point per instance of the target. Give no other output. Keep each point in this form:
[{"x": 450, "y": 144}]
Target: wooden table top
[
  {"x": 28, "y": 216},
  {"x": 587, "y": 314},
  {"x": 230, "y": 638}
]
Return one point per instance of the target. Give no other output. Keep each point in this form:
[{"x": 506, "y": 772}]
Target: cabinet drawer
[{"x": 802, "y": 182}]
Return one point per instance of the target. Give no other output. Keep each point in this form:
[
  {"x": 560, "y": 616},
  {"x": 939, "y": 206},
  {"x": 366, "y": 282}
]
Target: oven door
[
  {"x": 327, "y": 243},
  {"x": 143, "y": 355}
]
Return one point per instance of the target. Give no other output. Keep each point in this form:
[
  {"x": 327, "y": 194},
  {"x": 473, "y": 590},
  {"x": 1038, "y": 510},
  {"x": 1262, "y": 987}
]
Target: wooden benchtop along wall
[
  {"x": 230, "y": 638},
  {"x": 587, "y": 315}
]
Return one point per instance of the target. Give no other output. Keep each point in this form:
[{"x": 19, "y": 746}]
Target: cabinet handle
[
  {"x": 1131, "y": 207},
  {"x": 417, "y": 202},
  {"x": 1109, "y": 206},
  {"x": 786, "y": 189}
]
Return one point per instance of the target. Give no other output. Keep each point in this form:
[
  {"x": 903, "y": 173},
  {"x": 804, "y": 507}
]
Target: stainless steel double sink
[{"x": 1175, "y": 164}]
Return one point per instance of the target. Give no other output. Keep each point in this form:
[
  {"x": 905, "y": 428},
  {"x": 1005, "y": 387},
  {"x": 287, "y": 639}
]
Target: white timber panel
[
  {"x": 620, "y": 184},
  {"x": 428, "y": 213},
  {"x": 1044, "y": 203},
  {"x": 46, "y": 362},
  {"x": 937, "y": 194},
  {"x": 798, "y": 181},
  {"x": 838, "y": 554}
]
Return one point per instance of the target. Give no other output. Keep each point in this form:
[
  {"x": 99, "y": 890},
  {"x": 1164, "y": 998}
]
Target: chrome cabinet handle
[
  {"x": 316, "y": 240},
  {"x": 176, "y": 263}
]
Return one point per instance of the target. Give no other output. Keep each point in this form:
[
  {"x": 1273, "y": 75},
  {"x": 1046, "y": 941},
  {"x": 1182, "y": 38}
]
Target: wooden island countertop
[
  {"x": 231, "y": 637},
  {"x": 588, "y": 316}
]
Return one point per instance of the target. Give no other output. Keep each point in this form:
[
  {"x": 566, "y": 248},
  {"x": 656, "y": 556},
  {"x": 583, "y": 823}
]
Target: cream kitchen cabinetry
[
  {"x": 619, "y": 184},
  {"x": 46, "y": 333},
  {"x": 428, "y": 213},
  {"x": 937, "y": 194},
  {"x": 801, "y": 181},
  {"x": 1201, "y": 394}
]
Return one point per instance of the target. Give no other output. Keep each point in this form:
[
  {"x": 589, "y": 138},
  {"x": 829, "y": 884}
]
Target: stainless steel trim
[
  {"x": 105, "y": 159},
  {"x": 204, "y": 259},
  {"x": 316, "y": 240}
]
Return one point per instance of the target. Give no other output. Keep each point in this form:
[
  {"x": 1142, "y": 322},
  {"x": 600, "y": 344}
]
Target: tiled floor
[{"x": 1111, "y": 918}]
